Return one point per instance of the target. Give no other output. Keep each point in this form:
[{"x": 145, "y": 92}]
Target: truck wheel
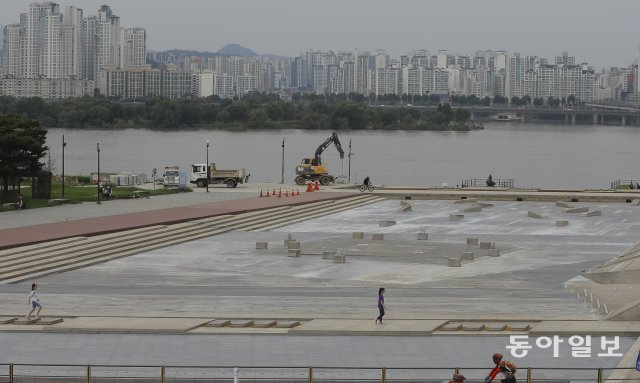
[
  {"x": 231, "y": 183},
  {"x": 325, "y": 180},
  {"x": 300, "y": 180},
  {"x": 201, "y": 183}
]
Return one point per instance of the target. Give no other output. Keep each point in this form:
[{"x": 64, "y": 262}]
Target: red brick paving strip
[{"x": 21, "y": 236}]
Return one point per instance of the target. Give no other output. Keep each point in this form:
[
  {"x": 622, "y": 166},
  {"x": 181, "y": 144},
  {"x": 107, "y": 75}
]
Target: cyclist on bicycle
[{"x": 366, "y": 181}]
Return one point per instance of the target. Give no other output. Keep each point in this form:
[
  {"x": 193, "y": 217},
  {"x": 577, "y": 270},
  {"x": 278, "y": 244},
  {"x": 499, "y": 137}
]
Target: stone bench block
[
  {"x": 519, "y": 326},
  {"x": 635, "y": 202},
  {"x": 264, "y": 323},
  {"x": 493, "y": 252},
  {"x": 240, "y": 323},
  {"x": 293, "y": 253},
  {"x": 472, "y": 241},
  {"x": 50, "y": 321},
  {"x": 467, "y": 256},
  {"x": 25, "y": 321},
  {"x": 217, "y": 323},
  {"x": 470, "y": 209},
  {"x": 473, "y": 326},
  {"x": 377, "y": 237},
  {"x": 456, "y": 217},
  {"x": 455, "y": 262},
  {"x": 386, "y": 223},
  {"x": 357, "y": 235},
  {"x": 562, "y": 222},
  {"x": 593, "y": 213},
  {"x": 484, "y": 204},
  {"x": 486, "y": 245},
  {"x": 287, "y": 324},
  {"x": 262, "y": 245},
  {"x": 534, "y": 214},
  {"x": 328, "y": 254},
  {"x": 577, "y": 210},
  {"x": 468, "y": 200},
  {"x": 405, "y": 208},
  {"x": 293, "y": 245},
  {"x": 339, "y": 259},
  {"x": 495, "y": 327},
  {"x": 451, "y": 326},
  {"x": 565, "y": 205},
  {"x": 423, "y": 236}
]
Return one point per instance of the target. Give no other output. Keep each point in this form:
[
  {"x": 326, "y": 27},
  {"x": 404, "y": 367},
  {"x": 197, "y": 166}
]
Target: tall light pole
[
  {"x": 282, "y": 178},
  {"x": 98, "y": 148},
  {"x": 207, "y": 167},
  {"x": 349, "y": 180},
  {"x": 64, "y": 144}
]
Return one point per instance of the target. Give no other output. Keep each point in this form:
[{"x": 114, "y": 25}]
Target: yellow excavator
[{"x": 311, "y": 169}]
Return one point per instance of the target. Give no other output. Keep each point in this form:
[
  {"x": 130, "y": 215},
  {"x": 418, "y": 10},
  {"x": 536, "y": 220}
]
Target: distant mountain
[{"x": 235, "y": 50}]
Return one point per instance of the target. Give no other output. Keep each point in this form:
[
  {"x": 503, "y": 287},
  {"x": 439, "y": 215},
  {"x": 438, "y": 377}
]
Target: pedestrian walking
[
  {"x": 381, "y": 306},
  {"x": 34, "y": 301}
]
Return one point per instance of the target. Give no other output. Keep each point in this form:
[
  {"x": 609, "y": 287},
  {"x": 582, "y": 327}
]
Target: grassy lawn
[{"x": 79, "y": 194}]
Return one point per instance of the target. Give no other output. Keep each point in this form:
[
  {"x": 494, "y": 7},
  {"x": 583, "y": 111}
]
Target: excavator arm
[{"x": 331, "y": 140}]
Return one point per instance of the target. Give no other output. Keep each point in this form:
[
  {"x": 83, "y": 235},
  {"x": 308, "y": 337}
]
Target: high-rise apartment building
[
  {"x": 12, "y": 58},
  {"x": 135, "y": 47}
]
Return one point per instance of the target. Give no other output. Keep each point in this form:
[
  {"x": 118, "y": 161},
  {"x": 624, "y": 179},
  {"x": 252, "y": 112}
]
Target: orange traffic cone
[
  {"x": 316, "y": 187},
  {"x": 286, "y": 194},
  {"x": 280, "y": 193},
  {"x": 261, "y": 193},
  {"x": 309, "y": 188},
  {"x": 297, "y": 191}
]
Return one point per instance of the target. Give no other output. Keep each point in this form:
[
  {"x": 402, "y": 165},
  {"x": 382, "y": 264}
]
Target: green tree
[{"x": 22, "y": 146}]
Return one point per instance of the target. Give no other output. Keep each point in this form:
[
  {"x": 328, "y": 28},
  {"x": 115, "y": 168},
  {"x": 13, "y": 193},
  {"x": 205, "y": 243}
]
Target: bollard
[
  {"x": 529, "y": 375},
  {"x": 384, "y": 375},
  {"x": 235, "y": 375},
  {"x": 310, "y": 375},
  {"x": 600, "y": 375},
  {"x": 162, "y": 374},
  {"x": 88, "y": 373},
  {"x": 10, "y": 372}
]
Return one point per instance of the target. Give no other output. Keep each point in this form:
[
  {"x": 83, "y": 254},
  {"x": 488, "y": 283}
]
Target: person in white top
[{"x": 34, "y": 301}]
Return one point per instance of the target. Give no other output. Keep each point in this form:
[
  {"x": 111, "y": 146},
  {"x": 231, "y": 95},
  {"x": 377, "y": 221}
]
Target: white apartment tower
[
  {"x": 135, "y": 47},
  {"x": 109, "y": 39},
  {"x": 11, "y": 54},
  {"x": 72, "y": 43}
]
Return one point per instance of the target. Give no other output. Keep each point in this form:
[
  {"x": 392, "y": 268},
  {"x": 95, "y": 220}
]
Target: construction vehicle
[
  {"x": 231, "y": 178},
  {"x": 171, "y": 176},
  {"x": 311, "y": 169}
]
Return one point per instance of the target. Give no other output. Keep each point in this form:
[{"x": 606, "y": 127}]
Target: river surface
[{"x": 535, "y": 155}]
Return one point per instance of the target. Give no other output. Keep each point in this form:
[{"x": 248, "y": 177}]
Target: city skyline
[{"x": 586, "y": 28}]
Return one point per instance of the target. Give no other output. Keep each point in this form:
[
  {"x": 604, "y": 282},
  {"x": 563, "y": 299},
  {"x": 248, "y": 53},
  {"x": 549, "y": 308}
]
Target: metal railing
[
  {"x": 482, "y": 182},
  {"x": 622, "y": 183},
  {"x": 77, "y": 373}
]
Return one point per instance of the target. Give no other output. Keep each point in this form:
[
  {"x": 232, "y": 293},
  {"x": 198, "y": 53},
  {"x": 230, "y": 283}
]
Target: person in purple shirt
[{"x": 381, "y": 306}]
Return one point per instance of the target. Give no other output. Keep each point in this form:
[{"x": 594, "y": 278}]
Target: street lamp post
[
  {"x": 349, "y": 161},
  {"x": 282, "y": 178},
  {"x": 98, "y": 148},
  {"x": 207, "y": 166},
  {"x": 64, "y": 144}
]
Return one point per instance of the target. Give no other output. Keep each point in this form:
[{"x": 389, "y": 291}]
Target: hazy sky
[{"x": 601, "y": 32}]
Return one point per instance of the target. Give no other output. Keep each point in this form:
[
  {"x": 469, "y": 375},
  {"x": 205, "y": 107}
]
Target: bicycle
[{"x": 364, "y": 188}]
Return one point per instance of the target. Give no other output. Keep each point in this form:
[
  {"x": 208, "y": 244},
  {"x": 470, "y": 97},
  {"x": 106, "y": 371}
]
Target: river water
[{"x": 535, "y": 155}]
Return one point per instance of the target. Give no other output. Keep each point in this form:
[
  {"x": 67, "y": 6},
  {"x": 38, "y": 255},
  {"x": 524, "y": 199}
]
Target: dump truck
[
  {"x": 171, "y": 176},
  {"x": 231, "y": 178}
]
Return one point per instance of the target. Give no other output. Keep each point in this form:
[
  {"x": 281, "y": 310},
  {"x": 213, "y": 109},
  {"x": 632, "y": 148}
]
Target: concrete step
[
  {"x": 286, "y": 220},
  {"x": 83, "y": 257}
]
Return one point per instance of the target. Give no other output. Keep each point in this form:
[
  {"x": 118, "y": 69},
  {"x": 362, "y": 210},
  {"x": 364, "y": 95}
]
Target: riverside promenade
[{"x": 220, "y": 291}]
